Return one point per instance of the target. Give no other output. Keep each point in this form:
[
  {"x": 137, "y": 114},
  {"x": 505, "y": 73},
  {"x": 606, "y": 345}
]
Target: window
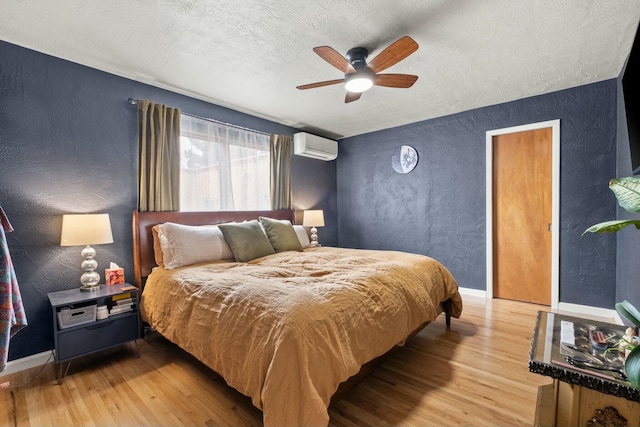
[{"x": 222, "y": 168}]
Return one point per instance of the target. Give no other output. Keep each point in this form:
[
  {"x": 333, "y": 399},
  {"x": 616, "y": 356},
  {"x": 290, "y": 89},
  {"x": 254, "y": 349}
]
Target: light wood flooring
[{"x": 474, "y": 373}]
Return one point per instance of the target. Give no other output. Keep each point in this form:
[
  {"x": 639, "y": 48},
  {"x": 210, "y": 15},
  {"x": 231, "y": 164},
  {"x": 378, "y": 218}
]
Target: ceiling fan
[{"x": 360, "y": 76}]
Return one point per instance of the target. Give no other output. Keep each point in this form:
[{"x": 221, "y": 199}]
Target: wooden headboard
[{"x": 143, "y": 222}]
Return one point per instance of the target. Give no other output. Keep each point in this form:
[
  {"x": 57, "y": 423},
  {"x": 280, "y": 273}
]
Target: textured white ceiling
[{"x": 250, "y": 55}]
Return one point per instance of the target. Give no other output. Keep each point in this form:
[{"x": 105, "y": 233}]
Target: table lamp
[
  {"x": 87, "y": 229},
  {"x": 313, "y": 219}
]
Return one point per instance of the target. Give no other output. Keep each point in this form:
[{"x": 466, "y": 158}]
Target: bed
[{"x": 292, "y": 328}]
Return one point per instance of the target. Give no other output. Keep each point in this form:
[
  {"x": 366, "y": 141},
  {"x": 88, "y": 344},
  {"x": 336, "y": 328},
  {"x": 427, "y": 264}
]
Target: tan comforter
[{"x": 288, "y": 328}]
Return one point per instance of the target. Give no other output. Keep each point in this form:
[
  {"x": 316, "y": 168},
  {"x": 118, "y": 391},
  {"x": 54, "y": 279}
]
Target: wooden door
[{"x": 522, "y": 216}]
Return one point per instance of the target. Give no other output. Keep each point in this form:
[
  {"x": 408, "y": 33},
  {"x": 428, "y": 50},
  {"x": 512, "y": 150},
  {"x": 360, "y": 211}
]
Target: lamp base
[
  {"x": 314, "y": 237},
  {"x": 89, "y": 278}
]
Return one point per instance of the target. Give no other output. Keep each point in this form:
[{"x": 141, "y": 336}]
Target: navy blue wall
[
  {"x": 313, "y": 188},
  {"x": 439, "y": 208},
  {"x": 628, "y": 239},
  {"x": 68, "y": 143}
]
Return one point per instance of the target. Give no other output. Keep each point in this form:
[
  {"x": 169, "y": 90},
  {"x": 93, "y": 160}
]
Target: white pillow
[
  {"x": 303, "y": 236},
  {"x": 190, "y": 244}
]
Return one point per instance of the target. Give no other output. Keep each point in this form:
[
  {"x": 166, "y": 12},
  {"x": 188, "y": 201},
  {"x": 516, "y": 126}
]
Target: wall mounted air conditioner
[{"x": 316, "y": 147}]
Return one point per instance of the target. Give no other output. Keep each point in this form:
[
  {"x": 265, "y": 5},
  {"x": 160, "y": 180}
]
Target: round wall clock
[{"x": 405, "y": 159}]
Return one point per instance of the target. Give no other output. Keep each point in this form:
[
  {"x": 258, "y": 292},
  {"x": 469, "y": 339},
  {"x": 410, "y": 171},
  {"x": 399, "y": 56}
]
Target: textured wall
[
  {"x": 628, "y": 239},
  {"x": 310, "y": 195},
  {"x": 68, "y": 143},
  {"x": 439, "y": 208}
]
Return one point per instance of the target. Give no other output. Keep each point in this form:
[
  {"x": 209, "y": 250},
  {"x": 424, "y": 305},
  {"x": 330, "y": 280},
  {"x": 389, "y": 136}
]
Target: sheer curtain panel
[
  {"x": 159, "y": 168},
  {"x": 223, "y": 167}
]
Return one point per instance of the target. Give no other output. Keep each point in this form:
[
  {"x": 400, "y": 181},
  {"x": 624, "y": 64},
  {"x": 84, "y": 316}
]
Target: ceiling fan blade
[
  {"x": 352, "y": 96},
  {"x": 320, "y": 84},
  {"x": 330, "y": 55},
  {"x": 393, "y": 54},
  {"x": 395, "y": 80}
]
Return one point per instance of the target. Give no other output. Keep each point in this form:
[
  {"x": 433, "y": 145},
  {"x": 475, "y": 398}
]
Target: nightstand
[{"x": 77, "y": 332}]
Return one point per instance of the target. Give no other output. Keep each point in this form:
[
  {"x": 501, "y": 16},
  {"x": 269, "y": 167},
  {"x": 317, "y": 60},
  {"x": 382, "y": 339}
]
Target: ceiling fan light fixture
[
  {"x": 358, "y": 83},
  {"x": 360, "y": 76}
]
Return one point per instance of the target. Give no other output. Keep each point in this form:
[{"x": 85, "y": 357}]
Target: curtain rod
[{"x": 134, "y": 101}]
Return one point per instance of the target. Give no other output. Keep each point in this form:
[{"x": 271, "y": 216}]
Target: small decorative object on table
[
  {"x": 630, "y": 342},
  {"x": 102, "y": 312},
  {"x": 114, "y": 275}
]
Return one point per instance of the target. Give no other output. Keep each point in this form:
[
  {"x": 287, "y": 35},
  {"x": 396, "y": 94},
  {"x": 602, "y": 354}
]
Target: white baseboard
[
  {"x": 618, "y": 319},
  {"x": 473, "y": 292},
  {"x": 577, "y": 309},
  {"x": 606, "y": 313},
  {"x": 27, "y": 363}
]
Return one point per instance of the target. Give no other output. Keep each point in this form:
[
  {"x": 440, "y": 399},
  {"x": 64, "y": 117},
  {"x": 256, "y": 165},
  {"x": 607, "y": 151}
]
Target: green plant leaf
[
  {"x": 627, "y": 191},
  {"x": 612, "y": 226},
  {"x": 632, "y": 367}
]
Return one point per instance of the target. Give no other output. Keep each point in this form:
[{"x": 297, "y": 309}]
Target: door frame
[{"x": 555, "y": 203}]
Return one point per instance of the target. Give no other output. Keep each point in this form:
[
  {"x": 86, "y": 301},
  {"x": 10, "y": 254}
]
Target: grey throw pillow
[
  {"x": 246, "y": 240},
  {"x": 281, "y": 234}
]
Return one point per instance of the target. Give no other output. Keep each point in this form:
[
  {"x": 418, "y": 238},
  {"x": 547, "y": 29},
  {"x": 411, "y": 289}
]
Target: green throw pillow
[
  {"x": 246, "y": 240},
  {"x": 281, "y": 234}
]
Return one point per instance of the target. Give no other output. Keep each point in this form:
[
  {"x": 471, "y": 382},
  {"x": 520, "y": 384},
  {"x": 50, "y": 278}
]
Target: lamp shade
[
  {"x": 314, "y": 218},
  {"x": 85, "y": 229}
]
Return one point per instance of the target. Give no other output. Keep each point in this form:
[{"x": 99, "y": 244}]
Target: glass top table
[{"x": 558, "y": 338}]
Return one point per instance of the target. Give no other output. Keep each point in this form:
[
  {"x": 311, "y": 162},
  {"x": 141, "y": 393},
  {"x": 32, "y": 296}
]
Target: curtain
[
  {"x": 159, "y": 167},
  {"x": 280, "y": 171},
  {"x": 224, "y": 168}
]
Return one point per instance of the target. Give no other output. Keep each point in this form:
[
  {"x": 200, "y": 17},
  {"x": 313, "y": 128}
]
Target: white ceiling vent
[{"x": 316, "y": 147}]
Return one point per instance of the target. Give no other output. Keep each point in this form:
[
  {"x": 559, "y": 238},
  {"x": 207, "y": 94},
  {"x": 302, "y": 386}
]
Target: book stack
[{"x": 121, "y": 303}]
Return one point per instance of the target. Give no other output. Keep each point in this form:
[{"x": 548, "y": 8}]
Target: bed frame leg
[{"x": 446, "y": 305}]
